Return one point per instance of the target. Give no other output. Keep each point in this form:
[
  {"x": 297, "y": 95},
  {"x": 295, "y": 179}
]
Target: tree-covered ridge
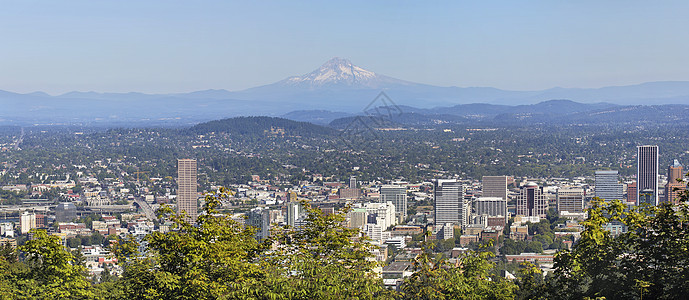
[{"x": 261, "y": 126}]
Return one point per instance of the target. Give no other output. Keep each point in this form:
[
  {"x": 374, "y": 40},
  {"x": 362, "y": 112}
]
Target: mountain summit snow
[
  {"x": 336, "y": 89},
  {"x": 341, "y": 73}
]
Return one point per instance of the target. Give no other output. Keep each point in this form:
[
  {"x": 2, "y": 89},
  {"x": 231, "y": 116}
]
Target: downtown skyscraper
[
  {"x": 187, "y": 189},
  {"x": 450, "y": 206},
  {"x": 531, "y": 202},
  {"x": 608, "y": 185},
  {"x": 495, "y": 186},
  {"x": 647, "y": 175},
  {"x": 396, "y": 194},
  {"x": 673, "y": 188}
]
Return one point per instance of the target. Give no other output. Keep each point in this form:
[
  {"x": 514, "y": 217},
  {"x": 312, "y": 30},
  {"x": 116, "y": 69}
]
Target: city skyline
[{"x": 383, "y": 150}]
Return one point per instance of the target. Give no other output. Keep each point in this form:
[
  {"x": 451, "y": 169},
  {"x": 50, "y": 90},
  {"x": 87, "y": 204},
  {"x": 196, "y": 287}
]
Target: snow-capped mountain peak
[{"x": 340, "y": 72}]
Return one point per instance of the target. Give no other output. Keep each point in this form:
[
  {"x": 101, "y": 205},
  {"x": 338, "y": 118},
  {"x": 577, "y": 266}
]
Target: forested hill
[
  {"x": 555, "y": 112},
  {"x": 261, "y": 126}
]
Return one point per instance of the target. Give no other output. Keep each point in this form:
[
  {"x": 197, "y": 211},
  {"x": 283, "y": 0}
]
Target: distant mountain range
[
  {"x": 335, "y": 90},
  {"x": 493, "y": 115}
]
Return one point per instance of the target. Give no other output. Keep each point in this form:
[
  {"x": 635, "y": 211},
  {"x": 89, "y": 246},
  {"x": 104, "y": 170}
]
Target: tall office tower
[
  {"x": 294, "y": 213},
  {"x": 491, "y": 206},
  {"x": 571, "y": 199},
  {"x": 259, "y": 218},
  {"x": 674, "y": 188},
  {"x": 352, "y": 182},
  {"x": 495, "y": 186},
  {"x": 450, "y": 206},
  {"x": 186, "y": 189},
  {"x": 608, "y": 186},
  {"x": 631, "y": 192},
  {"x": 674, "y": 172},
  {"x": 531, "y": 202},
  {"x": 647, "y": 174},
  {"x": 397, "y": 195},
  {"x": 27, "y": 221}
]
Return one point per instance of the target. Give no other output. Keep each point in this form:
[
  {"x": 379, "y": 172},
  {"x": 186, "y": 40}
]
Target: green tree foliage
[
  {"x": 8, "y": 253},
  {"x": 74, "y": 242},
  {"x": 219, "y": 258},
  {"x": 321, "y": 260},
  {"x": 12, "y": 197},
  {"x": 212, "y": 260},
  {"x": 530, "y": 281},
  {"x": 446, "y": 245},
  {"x": 260, "y": 126},
  {"x": 650, "y": 258},
  {"x": 88, "y": 240},
  {"x": 88, "y": 220},
  {"x": 49, "y": 272},
  {"x": 471, "y": 279}
]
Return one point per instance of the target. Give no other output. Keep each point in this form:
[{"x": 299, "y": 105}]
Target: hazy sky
[{"x": 178, "y": 46}]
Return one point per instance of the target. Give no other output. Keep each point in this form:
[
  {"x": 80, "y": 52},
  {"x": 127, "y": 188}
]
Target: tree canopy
[
  {"x": 219, "y": 258},
  {"x": 649, "y": 260}
]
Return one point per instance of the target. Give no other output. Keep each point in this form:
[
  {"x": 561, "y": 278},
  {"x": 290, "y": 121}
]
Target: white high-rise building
[
  {"x": 352, "y": 182},
  {"x": 608, "y": 185},
  {"x": 384, "y": 214},
  {"x": 294, "y": 213},
  {"x": 445, "y": 231},
  {"x": 450, "y": 205},
  {"x": 397, "y": 195},
  {"x": 6, "y": 229},
  {"x": 187, "y": 184},
  {"x": 358, "y": 217},
  {"x": 647, "y": 175},
  {"x": 27, "y": 221},
  {"x": 376, "y": 233}
]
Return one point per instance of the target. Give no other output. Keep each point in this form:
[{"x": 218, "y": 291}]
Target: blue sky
[{"x": 179, "y": 46}]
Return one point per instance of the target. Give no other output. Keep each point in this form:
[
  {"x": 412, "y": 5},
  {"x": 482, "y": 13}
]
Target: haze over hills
[
  {"x": 336, "y": 89},
  {"x": 554, "y": 112},
  {"x": 261, "y": 126}
]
